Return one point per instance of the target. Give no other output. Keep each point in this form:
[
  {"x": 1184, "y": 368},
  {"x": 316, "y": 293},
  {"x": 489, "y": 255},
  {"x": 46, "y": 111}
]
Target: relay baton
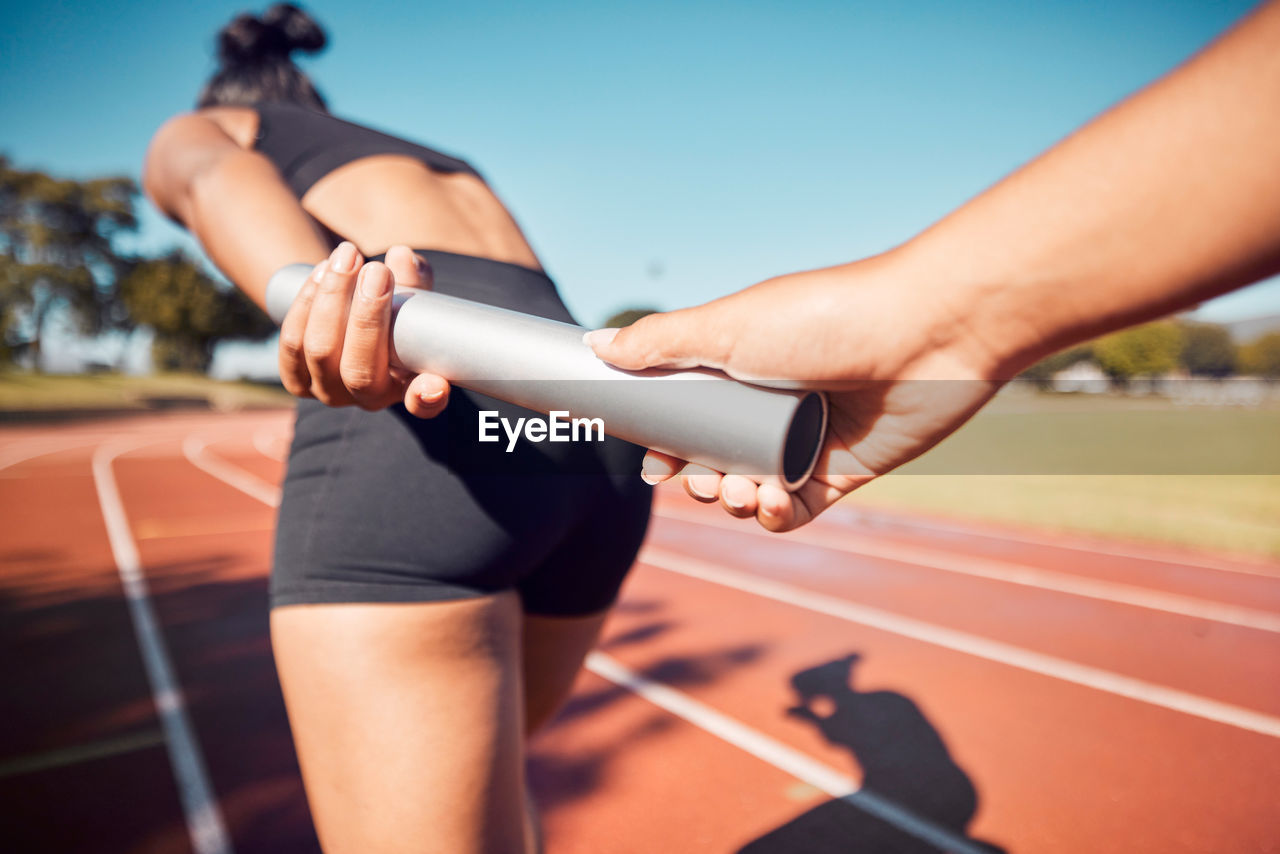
[{"x": 773, "y": 435}]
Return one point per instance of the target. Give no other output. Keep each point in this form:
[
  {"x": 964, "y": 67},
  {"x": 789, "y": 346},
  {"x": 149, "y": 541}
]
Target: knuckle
[
  {"x": 322, "y": 349},
  {"x": 290, "y": 346},
  {"x": 359, "y": 378}
]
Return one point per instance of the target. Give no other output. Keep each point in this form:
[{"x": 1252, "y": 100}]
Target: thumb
[{"x": 676, "y": 339}]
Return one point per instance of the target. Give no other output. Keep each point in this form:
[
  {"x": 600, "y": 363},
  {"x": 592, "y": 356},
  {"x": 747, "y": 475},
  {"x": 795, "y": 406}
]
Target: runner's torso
[{"x": 378, "y": 190}]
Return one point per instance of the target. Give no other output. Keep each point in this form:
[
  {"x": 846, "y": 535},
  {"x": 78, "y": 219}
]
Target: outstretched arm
[{"x": 1168, "y": 199}]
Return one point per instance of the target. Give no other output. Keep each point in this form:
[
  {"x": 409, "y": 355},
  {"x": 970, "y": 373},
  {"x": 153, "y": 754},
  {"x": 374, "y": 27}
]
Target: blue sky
[{"x": 657, "y": 153}]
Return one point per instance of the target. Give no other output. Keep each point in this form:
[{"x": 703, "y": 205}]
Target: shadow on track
[
  {"x": 559, "y": 776},
  {"x": 83, "y": 764},
  {"x": 903, "y": 760}
]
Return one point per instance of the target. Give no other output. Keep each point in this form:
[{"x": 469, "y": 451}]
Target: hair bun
[
  {"x": 283, "y": 29},
  {"x": 298, "y": 29}
]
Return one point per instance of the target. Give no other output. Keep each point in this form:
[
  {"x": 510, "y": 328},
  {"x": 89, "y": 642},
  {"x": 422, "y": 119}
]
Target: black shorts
[{"x": 386, "y": 507}]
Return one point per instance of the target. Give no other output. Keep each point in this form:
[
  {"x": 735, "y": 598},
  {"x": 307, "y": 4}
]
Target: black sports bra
[{"x": 305, "y": 145}]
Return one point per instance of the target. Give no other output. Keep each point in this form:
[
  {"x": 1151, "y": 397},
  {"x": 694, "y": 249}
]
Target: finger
[
  {"x": 780, "y": 511},
  {"x": 777, "y": 510},
  {"x": 427, "y": 396},
  {"x": 658, "y": 467},
  {"x": 364, "y": 364},
  {"x": 701, "y": 482},
  {"x": 738, "y": 495},
  {"x": 817, "y": 495},
  {"x": 677, "y": 339},
  {"x": 290, "y": 355},
  {"x": 327, "y": 325},
  {"x": 410, "y": 269}
]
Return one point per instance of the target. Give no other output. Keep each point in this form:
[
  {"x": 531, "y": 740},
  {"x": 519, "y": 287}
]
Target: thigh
[
  {"x": 553, "y": 650},
  {"x": 408, "y": 723}
]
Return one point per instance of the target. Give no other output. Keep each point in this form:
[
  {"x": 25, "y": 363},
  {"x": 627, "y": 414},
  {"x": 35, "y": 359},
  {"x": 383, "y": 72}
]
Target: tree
[
  {"x": 56, "y": 251},
  {"x": 628, "y": 316},
  {"x": 1261, "y": 357},
  {"x": 188, "y": 310},
  {"x": 1207, "y": 350},
  {"x": 1146, "y": 350}
]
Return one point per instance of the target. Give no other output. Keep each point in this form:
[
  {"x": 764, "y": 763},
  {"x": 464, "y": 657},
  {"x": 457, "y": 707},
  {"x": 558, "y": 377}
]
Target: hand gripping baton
[{"x": 771, "y": 434}]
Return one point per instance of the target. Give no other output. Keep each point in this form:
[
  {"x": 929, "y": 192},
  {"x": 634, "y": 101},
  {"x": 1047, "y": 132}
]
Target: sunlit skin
[
  {"x": 409, "y": 719},
  {"x": 1168, "y": 199}
]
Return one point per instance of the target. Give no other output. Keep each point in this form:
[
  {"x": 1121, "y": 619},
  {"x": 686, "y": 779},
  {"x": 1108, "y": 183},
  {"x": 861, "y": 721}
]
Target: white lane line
[
  {"x": 266, "y": 440},
  {"x": 980, "y": 647},
  {"x": 12, "y": 456},
  {"x": 1014, "y": 656},
  {"x": 779, "y": 755},
  {"x": 205, "y": 824},
  {"x": 856, "y": 517},
  {"x": 194, "y": 449},
  {"x": 1008, "y": 572}
]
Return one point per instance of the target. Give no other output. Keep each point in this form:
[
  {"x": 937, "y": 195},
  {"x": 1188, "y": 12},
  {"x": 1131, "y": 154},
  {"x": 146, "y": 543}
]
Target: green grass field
[
  {"x": 1233, "y": 513},
  {"x": 1129, "y": 468},
  {"x": 96, "y": 392}
]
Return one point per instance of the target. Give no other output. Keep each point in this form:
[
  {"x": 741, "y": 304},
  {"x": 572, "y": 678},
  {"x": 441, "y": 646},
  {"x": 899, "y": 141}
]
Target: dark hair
[{"x": 254, "y": 64}]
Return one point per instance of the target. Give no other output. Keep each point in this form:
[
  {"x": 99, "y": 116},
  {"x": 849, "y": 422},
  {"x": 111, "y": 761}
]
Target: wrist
[{"x": 984, "y": 316}]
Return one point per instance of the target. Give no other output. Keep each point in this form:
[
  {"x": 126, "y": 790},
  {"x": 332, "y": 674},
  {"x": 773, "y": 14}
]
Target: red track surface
[{"x": 947, "y": 672}]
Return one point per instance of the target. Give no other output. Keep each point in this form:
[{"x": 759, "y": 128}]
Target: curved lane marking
[{"x": 205, "y": 824}]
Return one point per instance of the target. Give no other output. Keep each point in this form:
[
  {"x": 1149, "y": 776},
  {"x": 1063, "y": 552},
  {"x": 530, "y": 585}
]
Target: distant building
[{"x": 1082, "y": 377}]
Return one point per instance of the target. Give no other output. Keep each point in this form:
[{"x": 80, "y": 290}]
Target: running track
[{"x": 965, "y": 688}]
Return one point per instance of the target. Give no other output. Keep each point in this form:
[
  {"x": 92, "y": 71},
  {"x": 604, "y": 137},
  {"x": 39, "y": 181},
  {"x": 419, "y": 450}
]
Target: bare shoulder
[
  {"x": 236, "y": 124},
  {"x": 189, "y": 143}
]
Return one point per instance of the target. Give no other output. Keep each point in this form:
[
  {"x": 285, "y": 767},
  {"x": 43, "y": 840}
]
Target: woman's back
[{"x": 375, "y": 190}]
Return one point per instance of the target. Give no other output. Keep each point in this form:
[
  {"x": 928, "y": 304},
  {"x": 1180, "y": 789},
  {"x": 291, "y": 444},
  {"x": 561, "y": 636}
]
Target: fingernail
[
  {"x": 374, "y": 282},
  {"x": 731, "y": 502},
  {"x": 768, "y": 511},
  {"x": 693, "y": 489},
  {"x": 599, "y": 337},
  {"x": 344, "y": 257},
  {"x": 431, "y": 396},
  {"x": 650, "y": 473}
]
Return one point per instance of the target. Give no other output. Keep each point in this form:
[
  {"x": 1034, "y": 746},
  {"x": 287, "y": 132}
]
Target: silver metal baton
[{"x": 771, "y": 434}]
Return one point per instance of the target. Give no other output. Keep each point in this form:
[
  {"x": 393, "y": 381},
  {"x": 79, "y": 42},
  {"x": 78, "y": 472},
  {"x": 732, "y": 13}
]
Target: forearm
[
  {"x": 1168, "y": 199},
  {"x": 249, "y": 222},
  {"x": 233, "y": 200}
]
